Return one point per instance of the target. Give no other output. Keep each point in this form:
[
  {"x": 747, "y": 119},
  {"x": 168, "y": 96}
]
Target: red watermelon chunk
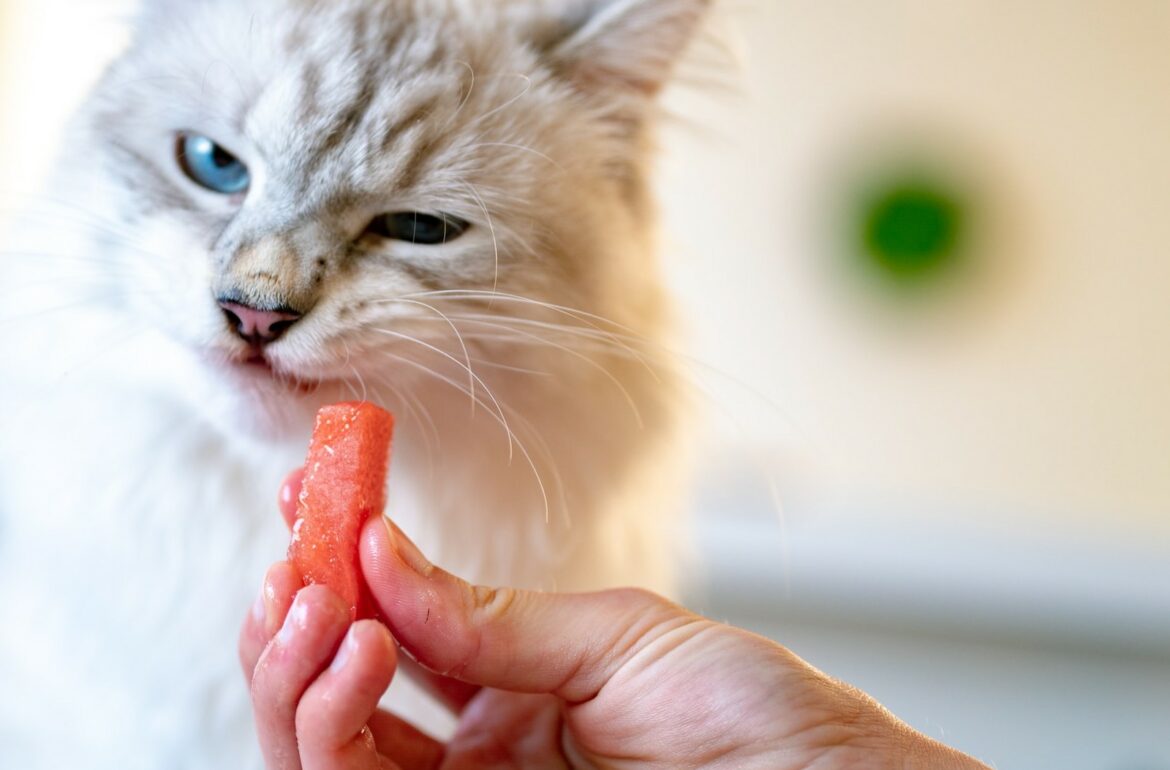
[{"x": 344, "y": 485}]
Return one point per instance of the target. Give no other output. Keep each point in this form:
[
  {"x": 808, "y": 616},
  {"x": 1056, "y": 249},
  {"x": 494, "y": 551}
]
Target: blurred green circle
[{"x": 912, "y": 229}]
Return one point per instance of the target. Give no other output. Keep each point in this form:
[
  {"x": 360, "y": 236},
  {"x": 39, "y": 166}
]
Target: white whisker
[
  {"x": 458, "y": 336},
  {"x": 492, "y": 228},
  {"x": 546, "y": 452},
  {"x": 508, "y": 368},
  {"x": 513, "y": 439},
  {"x": 421, "y": 417},
  {"x": 348, "y": 355},
  {"x": 457, "y": 362},
  {"x": 466, "y": 96},
  {"x": 490, "y": 296},
  {"x": 580, "y": 315},
  {"x": 522, "y": 148},
  {"x": 593, "y": 334},
  {"x": 581, "y": 356},
  {"x": 527, "y": 87}
]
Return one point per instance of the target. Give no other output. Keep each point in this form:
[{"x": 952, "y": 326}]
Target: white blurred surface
[
  {"x": 1014, "y": 706},
  {"x": 1030, "y": 654}
]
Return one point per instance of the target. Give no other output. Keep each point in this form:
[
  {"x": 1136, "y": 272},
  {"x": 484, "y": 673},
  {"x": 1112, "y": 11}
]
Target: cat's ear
[{"x": 627, "y": 45}]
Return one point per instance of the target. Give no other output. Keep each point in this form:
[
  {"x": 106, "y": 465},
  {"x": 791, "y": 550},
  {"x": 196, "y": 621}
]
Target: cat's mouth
[
  {"x": 257, "y": 367},
  {"x": 258, "y": 360}
]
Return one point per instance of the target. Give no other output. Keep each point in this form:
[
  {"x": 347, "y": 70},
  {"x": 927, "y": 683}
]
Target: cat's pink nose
[{"x": 257, "y": 326}]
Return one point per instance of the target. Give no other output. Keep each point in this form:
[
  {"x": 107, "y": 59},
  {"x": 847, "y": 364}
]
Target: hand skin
[{"x": 616, "y": 679}]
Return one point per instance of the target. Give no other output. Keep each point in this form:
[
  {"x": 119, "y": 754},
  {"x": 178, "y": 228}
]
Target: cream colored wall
[
  {"x": 1041, "y": 398},
  {"x": 51, "y": 51},
  {"x": 8, "y": 58},
  {"x": 1038, "y": 399}
]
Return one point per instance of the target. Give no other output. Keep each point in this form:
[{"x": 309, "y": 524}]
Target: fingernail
[
  {"x": 259, "y": 610},
  {"x": 346, "y": 651},
  {"x": 286, "y": 494},
  {"x": 268, "y": 597},
  {"x": 407, "y": 551},
  {"x": 297, "y": 620}
]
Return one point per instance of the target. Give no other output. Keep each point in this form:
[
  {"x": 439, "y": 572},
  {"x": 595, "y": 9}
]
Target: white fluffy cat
[{"x": 268, "y": 205}]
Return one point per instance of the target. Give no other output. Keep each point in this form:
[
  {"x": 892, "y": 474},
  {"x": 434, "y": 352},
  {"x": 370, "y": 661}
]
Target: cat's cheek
[{"x": 170, "y": 286}]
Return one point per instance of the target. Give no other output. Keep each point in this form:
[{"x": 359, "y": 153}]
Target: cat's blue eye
[
  {"x": 211, "y": 166},
  {"x": 415, "y": 227}
]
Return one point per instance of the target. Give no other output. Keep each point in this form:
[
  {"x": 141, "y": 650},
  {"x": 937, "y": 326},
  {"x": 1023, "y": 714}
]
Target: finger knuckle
[
  {"x": 307, "y": 720},
  {"x": 260, "y": 684},
  {"x": 492, "y": 603},
  {"x": 268, "y": 688}
]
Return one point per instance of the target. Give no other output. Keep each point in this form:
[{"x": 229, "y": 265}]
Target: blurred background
[{"x": 922, "y": 256}]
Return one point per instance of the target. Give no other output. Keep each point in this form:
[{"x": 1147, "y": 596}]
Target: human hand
[
  {"x": 316, "y": 679},
  {"x": 611, "y": 679}
]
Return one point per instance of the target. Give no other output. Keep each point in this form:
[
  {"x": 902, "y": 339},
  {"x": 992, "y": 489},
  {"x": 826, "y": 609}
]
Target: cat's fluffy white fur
[{"x": 139, "y": 457}]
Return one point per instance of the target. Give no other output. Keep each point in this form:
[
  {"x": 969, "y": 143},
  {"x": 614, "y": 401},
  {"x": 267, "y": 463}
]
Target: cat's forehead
[
  {"x": 354, "y": 92},
  {"x": 319, "y": 111},
  {"x": 240, "y": 50}
]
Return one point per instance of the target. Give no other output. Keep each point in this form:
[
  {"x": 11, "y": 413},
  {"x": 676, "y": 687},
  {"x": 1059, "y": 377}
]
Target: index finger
[
  {"x": 281, "y": 584},
  {"x": 451, "y": 693}
]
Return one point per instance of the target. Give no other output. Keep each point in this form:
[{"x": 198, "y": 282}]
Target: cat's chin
[
  {"x": 262, "y": 402},
  {"x": 258, "y": 372}
]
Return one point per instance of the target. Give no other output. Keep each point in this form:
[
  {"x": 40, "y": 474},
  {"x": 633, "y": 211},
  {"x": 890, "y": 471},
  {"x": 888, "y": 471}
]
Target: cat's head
[{"x": 304, "y": 185}]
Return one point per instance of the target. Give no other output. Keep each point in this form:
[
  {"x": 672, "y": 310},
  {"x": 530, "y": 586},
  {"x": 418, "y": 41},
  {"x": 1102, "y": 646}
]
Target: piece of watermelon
[{"x": 345, "y": 484}]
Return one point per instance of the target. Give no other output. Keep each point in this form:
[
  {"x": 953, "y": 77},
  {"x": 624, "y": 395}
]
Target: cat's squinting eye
[
  {"x": 418, "y": 228},
  {"x": 211, "y": 166}
]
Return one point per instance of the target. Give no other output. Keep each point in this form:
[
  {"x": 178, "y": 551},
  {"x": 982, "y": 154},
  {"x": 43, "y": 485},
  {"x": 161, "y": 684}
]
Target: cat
[{"x": 441, "y": 206}]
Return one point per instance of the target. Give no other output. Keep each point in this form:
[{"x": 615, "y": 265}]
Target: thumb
[{"x": 568, "y": 645}]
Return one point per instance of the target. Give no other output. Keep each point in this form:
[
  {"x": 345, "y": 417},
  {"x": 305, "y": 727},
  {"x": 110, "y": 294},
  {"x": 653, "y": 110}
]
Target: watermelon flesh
[{"x": 344, "y": 485}]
